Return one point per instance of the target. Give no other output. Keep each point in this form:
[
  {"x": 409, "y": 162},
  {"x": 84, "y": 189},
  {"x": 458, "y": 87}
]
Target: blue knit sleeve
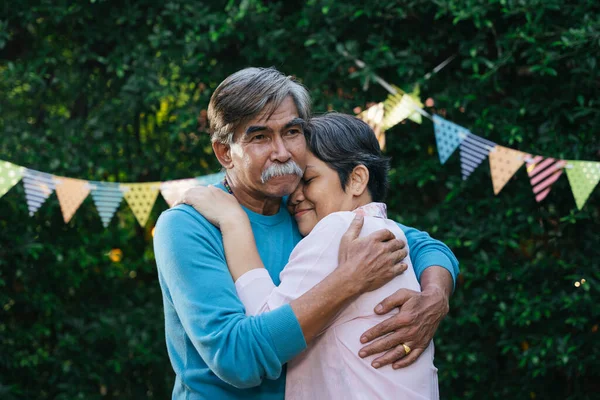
[
  {"x": 426, "y": 252},
  {"x": 192, "y": 268}
]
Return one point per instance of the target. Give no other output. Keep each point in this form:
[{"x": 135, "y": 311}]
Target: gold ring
[{"x": 406, "y": 348}]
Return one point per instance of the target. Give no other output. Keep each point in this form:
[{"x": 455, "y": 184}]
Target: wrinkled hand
[
  {"x": 213, "y": 203},
  {"x": 373, "y": 260},
  {"x": 419, "y": 317}
]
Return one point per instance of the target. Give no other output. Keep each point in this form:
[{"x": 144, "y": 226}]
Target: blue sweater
[{"x": 216, "y": 351}]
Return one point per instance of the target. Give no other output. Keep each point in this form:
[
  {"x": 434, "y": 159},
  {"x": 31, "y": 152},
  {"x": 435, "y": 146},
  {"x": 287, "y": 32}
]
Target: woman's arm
[{"x": 365, "y": 263}]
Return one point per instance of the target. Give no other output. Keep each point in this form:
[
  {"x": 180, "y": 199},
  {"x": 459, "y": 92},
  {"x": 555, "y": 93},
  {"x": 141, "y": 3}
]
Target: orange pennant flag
[
  {"x": 504, "y": 163},
  {"x": 71, "y": 193}
]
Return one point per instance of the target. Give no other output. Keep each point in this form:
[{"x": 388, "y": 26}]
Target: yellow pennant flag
[
  {"x": 71, "y": 193},
  {"x": 415, "y": 97},
  {"x": 141, "y": 198},
  {"x": 374, "y": 117},
  {"x": 397, "y": 108},
  {"x": 504, "y": 163},
  {"x": 583, "y": 177}
]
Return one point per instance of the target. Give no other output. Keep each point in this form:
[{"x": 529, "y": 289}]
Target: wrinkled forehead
[{"x": 271, "y": 119}]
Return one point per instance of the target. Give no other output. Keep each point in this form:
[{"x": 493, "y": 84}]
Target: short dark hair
[
  {"x": 343, "y": 142},
  {"x": 248, "y": 92}
]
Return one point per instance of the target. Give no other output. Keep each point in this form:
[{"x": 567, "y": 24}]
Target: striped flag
[
  {"x": 473, "y": 150},
  {"x": 38, "y": 187},
  {"x": 107, "y": 197},
  {"x": 543, "y": 172}
]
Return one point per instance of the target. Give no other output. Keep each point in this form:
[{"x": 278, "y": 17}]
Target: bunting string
[
  {"x": 542, "y": 171},
  {"x": 107, "y": 196}
]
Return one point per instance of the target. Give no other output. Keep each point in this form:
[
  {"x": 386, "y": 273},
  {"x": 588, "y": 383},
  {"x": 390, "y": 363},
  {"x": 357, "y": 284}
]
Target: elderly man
[{"x": 256, "y": 119}]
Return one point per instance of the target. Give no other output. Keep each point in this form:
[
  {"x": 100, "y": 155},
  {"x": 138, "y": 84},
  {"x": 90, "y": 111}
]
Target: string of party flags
[
  {"x": 107, "y": 196},
  {"x": 504, "y": 162}
]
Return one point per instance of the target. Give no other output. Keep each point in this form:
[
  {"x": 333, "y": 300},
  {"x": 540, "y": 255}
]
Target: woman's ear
[
  {"x": 223, "y": 153},
  {"x": 359, "y": 179}
]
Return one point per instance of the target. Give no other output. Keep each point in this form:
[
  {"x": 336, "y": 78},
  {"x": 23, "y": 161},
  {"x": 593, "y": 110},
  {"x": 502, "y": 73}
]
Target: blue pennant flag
[
  {"x": 38, "y": 187},
  {"x": 473, "y": 150},
  {"x": 448, "y": 136},
  {"x": 107, "y": 197}
]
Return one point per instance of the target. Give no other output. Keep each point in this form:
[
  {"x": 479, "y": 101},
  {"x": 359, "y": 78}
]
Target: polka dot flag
[
  {"x": 141, "y": 198},
  {"x": 10, "y": 175},
  {"x": 448, "y": 136},
  {"x": 583, "y": 177},
  {"x": 504, "y": 163},
  {"x": 107, "y": 197}
]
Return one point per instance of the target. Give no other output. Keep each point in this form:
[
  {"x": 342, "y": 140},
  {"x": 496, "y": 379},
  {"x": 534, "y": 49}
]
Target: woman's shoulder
[{"x": 334, "y": 221}]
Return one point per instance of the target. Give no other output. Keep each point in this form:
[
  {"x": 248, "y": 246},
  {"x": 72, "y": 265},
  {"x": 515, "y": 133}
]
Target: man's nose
[{"x": 280, "y": 151}]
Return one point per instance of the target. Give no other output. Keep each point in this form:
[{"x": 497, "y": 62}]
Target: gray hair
[
  {"x": 248, "y": 92},
  {"x": 281, "y": 169},
  {"x": 342, "y": 142}
]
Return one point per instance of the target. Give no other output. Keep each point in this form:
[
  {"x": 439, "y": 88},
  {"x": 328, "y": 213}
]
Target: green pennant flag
[
  {"x": 10, "y": 175},
  {"x": 583, "y": 177}
]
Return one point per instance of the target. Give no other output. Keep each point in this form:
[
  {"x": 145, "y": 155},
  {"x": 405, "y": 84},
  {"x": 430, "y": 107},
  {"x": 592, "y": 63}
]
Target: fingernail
[
  {"x": 376, "y": 365},
  {"x": 357, "y": 217},
  {"x": 363, "y": 339},
  {"x": 362, "y": 354},
  {"x": 395, "y": 366},
  {"x": 379, "y": 308}
]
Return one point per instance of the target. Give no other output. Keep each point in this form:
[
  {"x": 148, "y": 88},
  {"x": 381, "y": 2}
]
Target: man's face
[{"x": 263, "y": 149}]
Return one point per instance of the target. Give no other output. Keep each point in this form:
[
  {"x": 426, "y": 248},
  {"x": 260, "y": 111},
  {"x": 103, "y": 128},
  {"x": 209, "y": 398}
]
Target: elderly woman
[{"x": 345, "y": 178}]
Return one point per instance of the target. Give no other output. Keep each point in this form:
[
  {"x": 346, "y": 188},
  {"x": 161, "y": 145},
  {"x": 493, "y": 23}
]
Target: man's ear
[
  {"x": 359, "y": 179},
  {"x": 223, "y": 153}
]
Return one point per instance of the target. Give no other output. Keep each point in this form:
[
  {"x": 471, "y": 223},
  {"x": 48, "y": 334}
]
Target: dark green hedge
[{"x": 115, "y": 91}]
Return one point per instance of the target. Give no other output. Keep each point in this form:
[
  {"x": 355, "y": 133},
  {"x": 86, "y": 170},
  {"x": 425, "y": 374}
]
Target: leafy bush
[{"x": 108, "y": 91}]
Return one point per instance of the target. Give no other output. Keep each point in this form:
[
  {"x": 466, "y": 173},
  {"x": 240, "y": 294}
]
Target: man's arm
[
  {"x": 364, "y": 265},
  {"x": 420, "y": 313},
  {"x": 191, "y": 260},
  {"x": 195, "y": 278},
  {"x": 426, "y": 252}
]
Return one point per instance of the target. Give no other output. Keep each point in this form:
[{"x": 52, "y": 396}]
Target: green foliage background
[{"x": 114, "y": 91}]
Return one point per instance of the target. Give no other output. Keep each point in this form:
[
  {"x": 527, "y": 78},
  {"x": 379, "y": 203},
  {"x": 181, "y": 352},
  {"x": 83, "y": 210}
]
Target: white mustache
[{"x": 277, "y": 169}]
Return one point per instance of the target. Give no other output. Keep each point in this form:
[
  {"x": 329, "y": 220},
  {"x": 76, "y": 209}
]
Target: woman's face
[{"x": 318, "y": 195}]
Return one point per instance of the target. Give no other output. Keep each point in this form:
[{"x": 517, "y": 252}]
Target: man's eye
[
  {"x": 258, "y": 137},
  {"x": 294, "y": 131}
]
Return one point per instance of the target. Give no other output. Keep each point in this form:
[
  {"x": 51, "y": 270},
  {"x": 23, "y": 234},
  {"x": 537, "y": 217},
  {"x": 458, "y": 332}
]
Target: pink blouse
[{"x": 330, "y": 368}]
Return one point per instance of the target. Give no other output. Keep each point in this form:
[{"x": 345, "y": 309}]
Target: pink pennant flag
[{"x": 543, "y": 172}]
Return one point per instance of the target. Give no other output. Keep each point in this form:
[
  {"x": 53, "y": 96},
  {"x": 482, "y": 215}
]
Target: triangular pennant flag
[
  {"x": 583, "y": 177},
  {"x": 504, "y": 163},
  {"x": 448, "y": 136},
  {"x": 543, "y": 172},
  {"x": 71, "y": 193},
  {"x": 473, "y": 150},
  {"x": 10, "y": 175},
  {"x": 107, "y": 197},
  {"x": 38, "y": 187},
  {"x": 416, "y": 99},
  {"x": 173, "y": 190},
  {"x": 374, "y": 117},
  {"x": 211, "y": 179},
  {"x": 141, "y": 198},
  {"x": 397, "y": 107}
]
